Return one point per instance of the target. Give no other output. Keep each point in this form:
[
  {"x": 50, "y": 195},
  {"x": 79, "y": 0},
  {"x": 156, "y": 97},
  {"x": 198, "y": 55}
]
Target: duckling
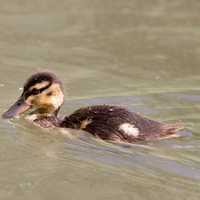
[{"x": 43, "y": 96}]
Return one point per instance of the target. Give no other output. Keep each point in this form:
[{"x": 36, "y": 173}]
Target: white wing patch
[{"x": 129, "y": 129}]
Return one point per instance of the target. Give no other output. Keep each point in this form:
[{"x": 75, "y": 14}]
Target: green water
[{"x": 142, "y": 54}]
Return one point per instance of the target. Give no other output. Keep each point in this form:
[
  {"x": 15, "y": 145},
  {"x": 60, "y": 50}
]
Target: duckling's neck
[
  {"x": 48, "y": 121},
  {"x": 44, "y": 119}
]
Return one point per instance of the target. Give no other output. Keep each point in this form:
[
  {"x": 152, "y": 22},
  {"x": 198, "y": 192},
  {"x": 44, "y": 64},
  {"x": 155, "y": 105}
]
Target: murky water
[{"x": 141, "y": 54}]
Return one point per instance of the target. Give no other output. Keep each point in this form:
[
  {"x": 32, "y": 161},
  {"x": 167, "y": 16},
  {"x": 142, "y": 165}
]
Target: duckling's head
[{"x": 42, "y": 92}]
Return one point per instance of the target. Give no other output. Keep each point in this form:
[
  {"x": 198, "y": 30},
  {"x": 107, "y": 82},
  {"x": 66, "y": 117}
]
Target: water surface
[{"x": 144, "y": 55}]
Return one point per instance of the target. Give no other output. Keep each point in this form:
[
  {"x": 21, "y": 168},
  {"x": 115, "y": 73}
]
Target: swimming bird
[{"x": 43, "y": 96}]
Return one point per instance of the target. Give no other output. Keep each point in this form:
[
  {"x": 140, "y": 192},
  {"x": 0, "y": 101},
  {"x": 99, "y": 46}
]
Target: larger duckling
[{"x": 43, "y": 96}]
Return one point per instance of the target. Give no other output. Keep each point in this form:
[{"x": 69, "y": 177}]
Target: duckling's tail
[{"x": 171, "y": 130}]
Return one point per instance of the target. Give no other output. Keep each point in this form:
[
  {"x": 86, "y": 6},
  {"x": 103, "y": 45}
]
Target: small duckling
[{"x": 43, "y": 96}]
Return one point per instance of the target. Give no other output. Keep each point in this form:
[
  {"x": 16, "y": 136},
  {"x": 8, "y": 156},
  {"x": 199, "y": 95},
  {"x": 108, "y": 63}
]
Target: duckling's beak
[{"x": 19, "y": 107}]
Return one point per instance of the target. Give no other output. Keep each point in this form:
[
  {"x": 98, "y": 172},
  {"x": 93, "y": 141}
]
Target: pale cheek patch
[
  {"x": 57, "y": 98},
  {"x": 57, "y": 101},
  {"x": 129, "y": 129}
]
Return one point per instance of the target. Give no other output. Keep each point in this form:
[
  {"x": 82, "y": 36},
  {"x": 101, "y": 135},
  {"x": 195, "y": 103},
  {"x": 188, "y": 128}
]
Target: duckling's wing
[{"x": 102, "y": 120}]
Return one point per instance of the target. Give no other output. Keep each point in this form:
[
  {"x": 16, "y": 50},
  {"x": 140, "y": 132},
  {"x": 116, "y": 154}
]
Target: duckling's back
[{"x": 118, "y": 124}]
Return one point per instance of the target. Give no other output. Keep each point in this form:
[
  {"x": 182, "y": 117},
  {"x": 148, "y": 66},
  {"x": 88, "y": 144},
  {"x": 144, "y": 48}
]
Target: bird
[{"x": 43, "y": 96}]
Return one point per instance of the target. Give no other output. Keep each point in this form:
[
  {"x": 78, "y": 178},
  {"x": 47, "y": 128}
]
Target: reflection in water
[{"x": 139, "y": 54}]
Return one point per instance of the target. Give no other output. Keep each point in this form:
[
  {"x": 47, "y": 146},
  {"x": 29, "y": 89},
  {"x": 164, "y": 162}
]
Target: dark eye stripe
[{"x": 35, "y": 91}]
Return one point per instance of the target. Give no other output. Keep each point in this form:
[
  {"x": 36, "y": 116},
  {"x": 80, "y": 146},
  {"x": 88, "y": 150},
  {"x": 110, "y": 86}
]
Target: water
[{"x": 144, "y": 55}]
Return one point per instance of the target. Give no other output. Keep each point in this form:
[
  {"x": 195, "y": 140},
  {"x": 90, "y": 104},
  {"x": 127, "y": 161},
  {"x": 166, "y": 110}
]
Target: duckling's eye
[{"x": 35, "y": 91}]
